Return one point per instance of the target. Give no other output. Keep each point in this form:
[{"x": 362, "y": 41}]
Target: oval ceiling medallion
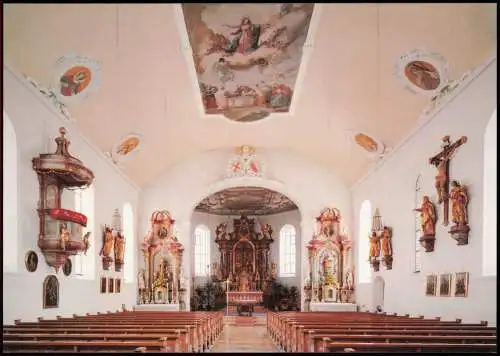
[
  {"x": 371, "y": 146},
  {"x": 75, "y": 77},
  {"x": 423, "y": 72},
  {"x": 128, "y": 145},
  {"x": 366, "y": 142}
]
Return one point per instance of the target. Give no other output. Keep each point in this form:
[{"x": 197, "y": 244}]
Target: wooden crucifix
[{"x": 442, "y": 162}]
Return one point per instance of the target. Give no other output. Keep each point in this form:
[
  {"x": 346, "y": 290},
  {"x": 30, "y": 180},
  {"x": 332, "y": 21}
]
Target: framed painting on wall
[
  {"x": 118, "y": 283},
  {"x": 445, "y": 285},
  {"x": 461, "y": 284},
  {"x": 103, "y": 284},
  {"x": 431, "y": 285},
  {"x": 111, "y": 285}
]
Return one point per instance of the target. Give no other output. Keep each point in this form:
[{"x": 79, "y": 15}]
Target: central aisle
[{"x": 238, "y": 337}]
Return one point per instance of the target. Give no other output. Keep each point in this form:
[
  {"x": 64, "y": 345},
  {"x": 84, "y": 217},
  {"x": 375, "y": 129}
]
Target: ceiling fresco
[
  {"x": 247, "y": 56},
  {"x": 247, "y": 201}
]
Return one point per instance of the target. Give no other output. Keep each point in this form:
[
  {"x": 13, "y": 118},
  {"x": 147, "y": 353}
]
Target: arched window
[
  {"x": 287, "y": 251},
  {"x": 130, "y": 245},
  {"x": 365, "y": 220},
  {"x": 417, "y": 260},
  {"x": 10, "y": 196},
  {"x": 84, "y": 264},
  {"x": 201, "y": 251},
  {"x": 490, "y": 198}
]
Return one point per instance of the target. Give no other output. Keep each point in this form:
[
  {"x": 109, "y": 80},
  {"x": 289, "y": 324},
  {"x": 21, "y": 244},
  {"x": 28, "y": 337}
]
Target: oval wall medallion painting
[
  {"x": 128, "y": 145},
  {"x": 423, "y": 72},
  {"x": 31, "y": 261},
  {"x": 371, "y": 146},
  {"x": 75, "y": 77}
]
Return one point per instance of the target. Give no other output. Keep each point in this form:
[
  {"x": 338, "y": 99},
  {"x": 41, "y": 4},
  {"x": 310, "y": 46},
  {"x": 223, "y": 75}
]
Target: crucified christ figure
[{"x": 442, "y": 162}]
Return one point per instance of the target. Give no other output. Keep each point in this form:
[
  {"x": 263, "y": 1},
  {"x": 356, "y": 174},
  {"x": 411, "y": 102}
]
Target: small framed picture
[
  {"x": 431, "y": 285},
  {"x": 445, "y": 285},
  {"x": 111, "y": 285},
  {"x": 103, "y": 284},
  {"x": 461, "y": 284},
  {"x": 118, "y": 285}
]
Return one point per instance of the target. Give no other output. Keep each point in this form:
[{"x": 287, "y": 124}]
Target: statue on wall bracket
[
  {"x": 428, "y": 220},
  {"x": 442, "y": 162},
  {"x": 459, "y": 200},
  {"x": 386, "y": 240}
]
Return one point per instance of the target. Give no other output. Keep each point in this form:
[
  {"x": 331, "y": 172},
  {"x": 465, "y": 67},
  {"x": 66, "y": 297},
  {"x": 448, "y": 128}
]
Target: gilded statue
[
  {"x": 108, "y": 242},
  {"x": 374, "y": 245},
  {"x": 161, "y": 276},
  {"x": 119, "y": 247},
  {"x": 244, "y": 283},
  {"x": 64, "y": 235},
  {"x": 386, "y": 242},
  {"x": 427, "y": 217},
  {"x": 86, "y": 242},
  {"x": 459, "y": 200}
]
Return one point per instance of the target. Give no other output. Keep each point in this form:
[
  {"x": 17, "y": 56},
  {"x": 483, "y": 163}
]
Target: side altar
[
  {"x": 161, "y": 283},
  {"x": 330, "y": 285}
]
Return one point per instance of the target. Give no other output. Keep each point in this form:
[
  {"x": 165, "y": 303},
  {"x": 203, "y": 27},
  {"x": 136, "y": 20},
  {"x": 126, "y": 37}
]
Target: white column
[{"x": 307, "y": 226}]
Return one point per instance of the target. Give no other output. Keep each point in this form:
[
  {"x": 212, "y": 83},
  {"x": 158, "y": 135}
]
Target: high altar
[
  {"x": 330, "y": 286},
  {"x": 245, "y": 260},
  {"x": 161, "y": 283}
]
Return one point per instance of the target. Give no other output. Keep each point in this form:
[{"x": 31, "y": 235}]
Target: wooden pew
[
  {"x": 410, "y": 347},
  {"x": 110, "y": 332}
]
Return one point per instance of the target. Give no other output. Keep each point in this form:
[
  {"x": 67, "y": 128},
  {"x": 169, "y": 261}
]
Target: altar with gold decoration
[
  {"x": 330, "y": 285},
  {"x": 161, "y": 283}
]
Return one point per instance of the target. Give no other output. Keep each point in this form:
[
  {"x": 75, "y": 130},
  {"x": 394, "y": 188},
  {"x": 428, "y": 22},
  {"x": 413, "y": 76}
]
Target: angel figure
[{"x": 459, "y": 200}]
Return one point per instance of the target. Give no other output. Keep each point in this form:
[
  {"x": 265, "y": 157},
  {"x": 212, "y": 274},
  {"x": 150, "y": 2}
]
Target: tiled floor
[{"x": 237, "y": 338}]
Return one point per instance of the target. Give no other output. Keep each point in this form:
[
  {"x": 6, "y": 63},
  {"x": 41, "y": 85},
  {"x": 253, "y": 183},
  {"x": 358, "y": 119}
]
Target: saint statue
[
  {"x": 386, "y": 242},
  {"x": 64, "y": 235},
  {"x": 244, "y": 281},
  {"x": 374, "y": 245},
  {"x": 119, "y": 247},
  {"x": 108, "y": 242},
  {"x": 427, "y": 217},
  {"x": 459, "y": 200}
]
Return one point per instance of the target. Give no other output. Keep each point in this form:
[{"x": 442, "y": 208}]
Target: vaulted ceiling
[
  {"x": 147, "y": 91},
  {"x": 246, "y": 201}
]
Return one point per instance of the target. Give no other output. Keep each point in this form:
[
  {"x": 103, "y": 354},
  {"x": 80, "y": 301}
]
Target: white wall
[
  {"x": 276, "y": 221},
  {"x": 34, "y": 122},
  {"x": 184, "y": 185},
  {"x": 391, "y": 189}
]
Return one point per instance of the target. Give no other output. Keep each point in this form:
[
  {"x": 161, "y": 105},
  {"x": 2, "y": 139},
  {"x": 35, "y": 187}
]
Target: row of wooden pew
[
  {"x": 369, "y": 332},
  {"x": 127, "y": 331}
]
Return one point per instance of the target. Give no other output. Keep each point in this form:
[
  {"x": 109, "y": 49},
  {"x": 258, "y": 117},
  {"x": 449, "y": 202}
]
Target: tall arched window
[
  {"x": 417, "y": 258},
  {"x": 84, "y": 264},
  {"x": 10, "y": 196},
  {"x": 365, "y": 220},
  {"x": 130, "y": 245},
  {"x": 490, "y": 198},
  {"x": 201, "y": 251},
  {"x": 288, "y": 251}
]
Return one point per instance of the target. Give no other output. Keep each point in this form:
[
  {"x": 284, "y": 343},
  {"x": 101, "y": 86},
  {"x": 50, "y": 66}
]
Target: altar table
[{"x": 256, "y": 296}]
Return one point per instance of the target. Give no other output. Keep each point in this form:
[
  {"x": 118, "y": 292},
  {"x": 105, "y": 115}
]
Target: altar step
[{"x": 245, "y": 320}]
